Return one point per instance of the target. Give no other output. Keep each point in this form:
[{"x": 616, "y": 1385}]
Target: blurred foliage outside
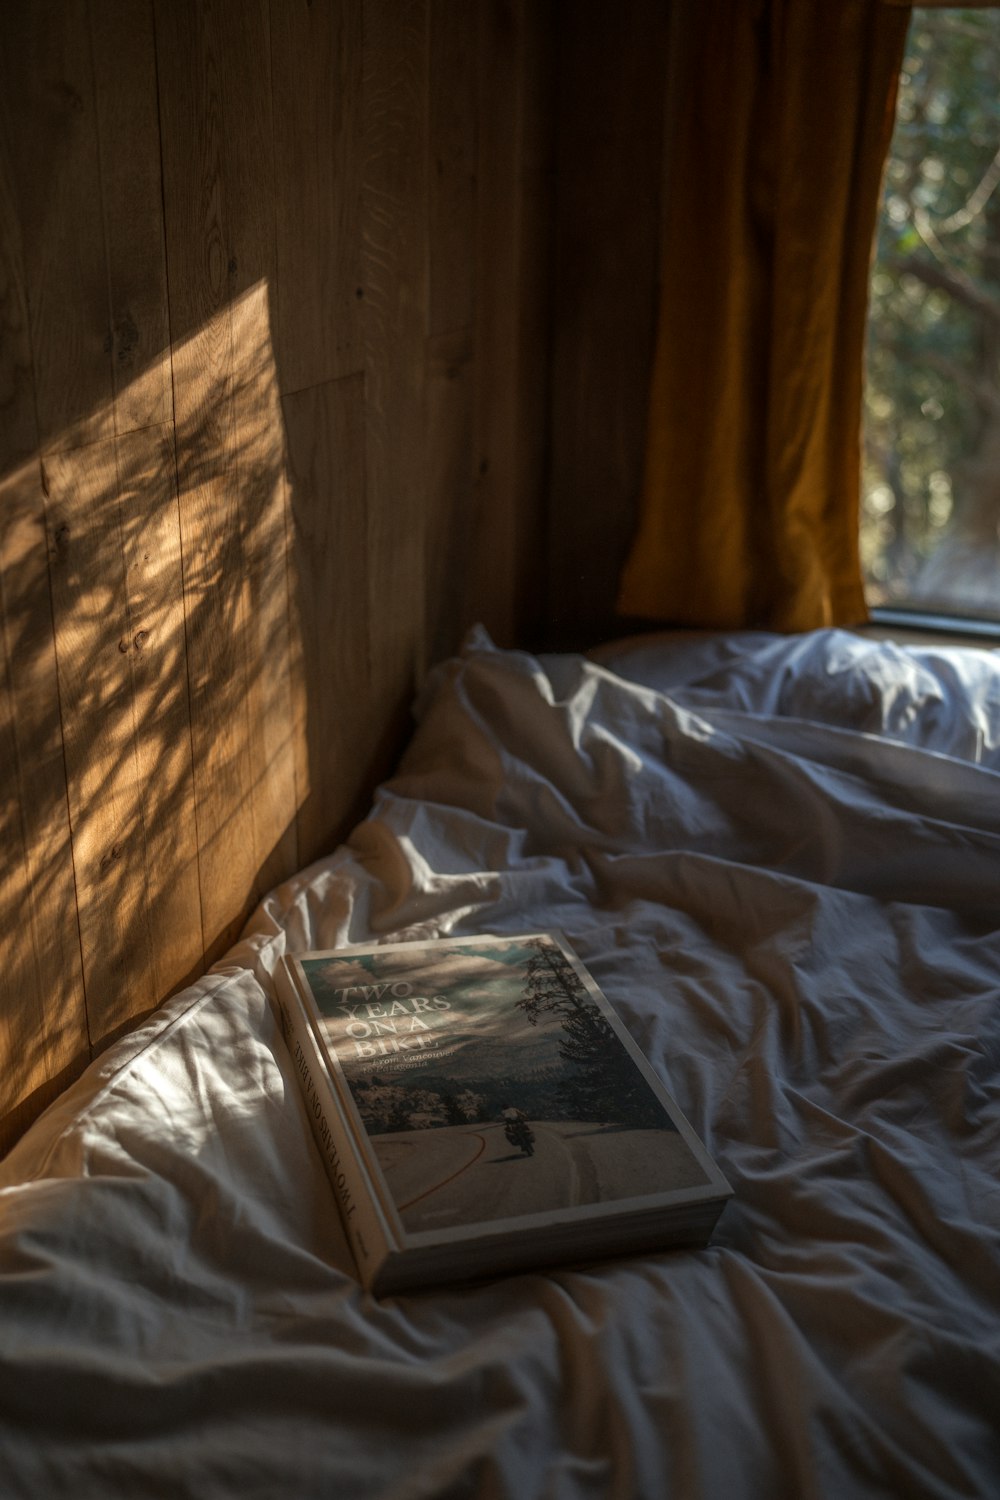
[{"x": 930, "y": 526}]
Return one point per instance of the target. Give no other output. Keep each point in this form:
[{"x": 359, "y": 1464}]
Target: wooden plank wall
[
  {"x": 274, "y": 303},
  {"x": 609, "y": 212}
]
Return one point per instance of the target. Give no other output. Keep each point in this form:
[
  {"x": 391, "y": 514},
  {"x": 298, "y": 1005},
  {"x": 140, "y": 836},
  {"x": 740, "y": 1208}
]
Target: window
[{"x": 930, "y": 532}]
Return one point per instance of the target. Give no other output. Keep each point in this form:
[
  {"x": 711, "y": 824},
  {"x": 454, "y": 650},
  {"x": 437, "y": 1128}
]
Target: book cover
[{"x": 489, "y": 1091}]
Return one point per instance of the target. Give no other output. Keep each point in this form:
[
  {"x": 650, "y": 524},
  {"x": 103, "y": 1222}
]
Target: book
[{"x": 481, "y": 1109}]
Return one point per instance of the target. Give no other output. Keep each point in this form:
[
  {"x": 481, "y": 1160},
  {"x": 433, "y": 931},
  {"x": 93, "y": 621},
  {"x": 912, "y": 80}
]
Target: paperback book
[{"x": 480, "y": 1109}]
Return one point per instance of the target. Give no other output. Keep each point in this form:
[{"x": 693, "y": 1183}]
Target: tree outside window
[{"x": 930, "y": 532}]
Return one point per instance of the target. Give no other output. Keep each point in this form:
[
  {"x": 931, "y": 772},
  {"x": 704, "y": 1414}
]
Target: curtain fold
[{"x": 780, "y": 114}]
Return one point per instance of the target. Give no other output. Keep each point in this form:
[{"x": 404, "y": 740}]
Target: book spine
[{"x": 332, "y": 1134}]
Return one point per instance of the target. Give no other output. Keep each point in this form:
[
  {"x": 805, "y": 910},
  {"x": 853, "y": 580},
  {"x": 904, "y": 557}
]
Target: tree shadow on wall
[{"x": 153, "y": 732}]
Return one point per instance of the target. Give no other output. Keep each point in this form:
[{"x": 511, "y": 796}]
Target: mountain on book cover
[{"x": 491, "y": 1083}]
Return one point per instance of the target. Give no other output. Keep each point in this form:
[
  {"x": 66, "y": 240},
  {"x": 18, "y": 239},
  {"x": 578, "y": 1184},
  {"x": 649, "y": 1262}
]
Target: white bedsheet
[{"x": 781, "y": 860}]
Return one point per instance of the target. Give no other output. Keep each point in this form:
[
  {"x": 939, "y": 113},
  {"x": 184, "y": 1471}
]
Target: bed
[{"x": 780, "y": 859}]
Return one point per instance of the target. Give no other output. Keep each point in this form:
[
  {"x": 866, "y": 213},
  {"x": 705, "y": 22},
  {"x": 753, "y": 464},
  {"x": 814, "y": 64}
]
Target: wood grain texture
[
  {"x": 330, "y": 608},
  {"x": 512, "y": 313},
  {"x": 394, "y": 264},
  {"x": 43, "y": 1025},
  {"x": 128, "y": 130},
  {"x": 532, "y": 297},
  {"x": 156, "y": 651},
  {"x": 453, "y": 132},
  {"x": 316, "y": 80},
  {"x": 257, "y": 474},
  {"x": 451, "y": 543},
  {"x": 118, "y": 608},
  {"x": 201, "y": 265},
  {"x": 116, "y": 604},
  {"x": 273, "y": 282},
  {"x": 47, "y": 79},
  {"x": 215, "y": 109},
  {"x": 612, "y": 69}
]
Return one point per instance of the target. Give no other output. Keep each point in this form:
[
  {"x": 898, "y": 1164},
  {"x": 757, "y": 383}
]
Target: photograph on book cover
[{"x": 490, "y": 1079}]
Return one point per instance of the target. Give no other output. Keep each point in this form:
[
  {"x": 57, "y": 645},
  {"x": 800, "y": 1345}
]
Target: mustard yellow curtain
[{"x": 780, "y": 116}]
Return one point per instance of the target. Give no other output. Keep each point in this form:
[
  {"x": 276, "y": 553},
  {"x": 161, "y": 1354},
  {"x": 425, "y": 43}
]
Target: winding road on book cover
[{"x": 437, "y": 1043}]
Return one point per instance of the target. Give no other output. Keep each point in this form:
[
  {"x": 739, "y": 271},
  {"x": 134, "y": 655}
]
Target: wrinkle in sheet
[{"x": 186, "y": 1277}]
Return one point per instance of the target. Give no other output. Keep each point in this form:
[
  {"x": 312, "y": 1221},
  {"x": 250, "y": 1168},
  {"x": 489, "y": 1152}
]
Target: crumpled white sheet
[{"x": 783, "y": 869}]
